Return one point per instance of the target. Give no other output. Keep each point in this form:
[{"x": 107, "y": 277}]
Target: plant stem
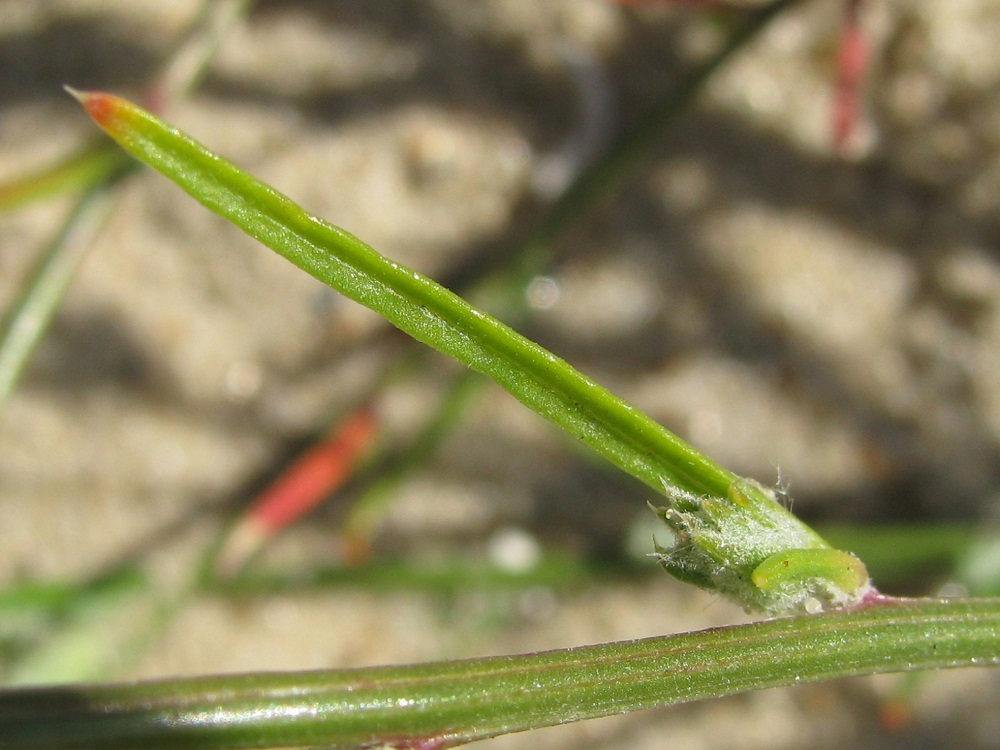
[
  {"x": 43, "y": 291},
  {"x": 92, "y": 165},
  {"x": 449, "y": 703}
]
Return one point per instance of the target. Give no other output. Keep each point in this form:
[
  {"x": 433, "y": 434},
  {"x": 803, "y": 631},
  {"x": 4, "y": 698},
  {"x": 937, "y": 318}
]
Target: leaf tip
[
  {"x": 75, "y": 93},
  {"x": 101, "y": 107}
]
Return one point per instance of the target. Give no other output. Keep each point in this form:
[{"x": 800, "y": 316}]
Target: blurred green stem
[
  {"x": 631, "y": 148},
  {"x": 42, "y": 292},
  {"x": 92, "y": 165},
  {"x": 368, "y": 511},
  {"x": 191, "y": 55}
]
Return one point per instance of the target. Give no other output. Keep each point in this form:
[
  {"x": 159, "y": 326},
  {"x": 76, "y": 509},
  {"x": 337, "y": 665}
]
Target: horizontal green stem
[{"x": 444, "y": 704}]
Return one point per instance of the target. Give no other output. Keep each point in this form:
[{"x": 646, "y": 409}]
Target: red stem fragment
[
  {"x": 320, "y": 471},
  {"x": 853, "y": 56},
  {"x": 310, "y": 479}
]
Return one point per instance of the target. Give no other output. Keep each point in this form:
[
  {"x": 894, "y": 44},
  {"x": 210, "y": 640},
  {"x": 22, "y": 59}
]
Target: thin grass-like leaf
[
  {"x": 414, "y": 303},
  {"x": 41, "y": 294},
  {"x": 731, "y": 536},
  {"x": 81, "y": 171}
]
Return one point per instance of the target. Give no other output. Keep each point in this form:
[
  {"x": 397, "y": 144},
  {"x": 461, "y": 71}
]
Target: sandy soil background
[{"x": 769, "y": 301}]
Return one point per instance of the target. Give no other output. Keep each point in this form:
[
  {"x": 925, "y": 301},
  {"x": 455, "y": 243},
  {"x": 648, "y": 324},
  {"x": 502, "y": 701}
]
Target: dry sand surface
[{"x": 771, "y": 302}]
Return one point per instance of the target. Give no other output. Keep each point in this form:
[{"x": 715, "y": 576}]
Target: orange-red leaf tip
[{"x": 100, "y": 106}]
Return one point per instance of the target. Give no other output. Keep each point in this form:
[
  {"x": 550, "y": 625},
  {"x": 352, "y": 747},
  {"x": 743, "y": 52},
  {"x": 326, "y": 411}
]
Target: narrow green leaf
[
  {"x": 724, "y": 526},
  {"x": 414, "y": 303}
]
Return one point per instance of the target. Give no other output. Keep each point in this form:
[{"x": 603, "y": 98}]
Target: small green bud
[{"x": 750, "y": 548}]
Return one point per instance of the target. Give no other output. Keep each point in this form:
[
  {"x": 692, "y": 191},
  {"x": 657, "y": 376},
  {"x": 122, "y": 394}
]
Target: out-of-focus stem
[
  {"x": 43, "y": 290},
  {"x": 186, "y": 66}
]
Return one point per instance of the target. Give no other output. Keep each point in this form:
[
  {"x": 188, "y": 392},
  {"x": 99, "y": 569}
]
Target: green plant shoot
[
  {"x": 731, "y": 535},
  {"x": 751, "y": 549}
]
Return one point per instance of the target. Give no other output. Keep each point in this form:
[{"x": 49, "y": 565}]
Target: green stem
[
  {"x": 41, "y": 294},
  {"x": 370, "y": 508},
  {"x": 188, "y": 62},
  {"x": 91, "y": 166},
  {"x": 445, "y": 704}
]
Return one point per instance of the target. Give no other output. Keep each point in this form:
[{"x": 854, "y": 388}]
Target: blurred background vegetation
[{"x": 822, "y": 319}]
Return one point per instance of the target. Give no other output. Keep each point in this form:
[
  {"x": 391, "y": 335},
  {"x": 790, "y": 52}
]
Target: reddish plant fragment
[
  {"x": 421, "y": 743},
  {"x": 895, "y": 715},
  {"x": 853, "y": 59},
  {"x": 853, "y": 56},
  {"x": 310, "y": 479},
  {"x": 318, "y": 472}
]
